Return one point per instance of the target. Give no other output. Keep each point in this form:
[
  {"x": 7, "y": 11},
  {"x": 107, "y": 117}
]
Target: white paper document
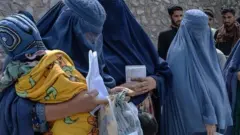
[
  {"x": 94, "y": 79},
  {"x": 135, "y": 71}
]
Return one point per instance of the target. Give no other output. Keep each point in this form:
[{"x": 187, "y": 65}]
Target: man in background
[
  {"x": 210, "y": 14},
  {"x": 165, "y": 38},
  {"x": 228, "y": 34},
  {"x": 221, "y": 57}
]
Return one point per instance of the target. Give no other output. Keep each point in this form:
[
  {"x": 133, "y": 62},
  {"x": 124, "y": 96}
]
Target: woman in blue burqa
[
  {"x": 75, "y": 29},
  {"x": 197, "y": 102},
  {"x": 126, "y": 43},
  {"x": 63, "y": 27},
  {"x": 232, "y": 78}
]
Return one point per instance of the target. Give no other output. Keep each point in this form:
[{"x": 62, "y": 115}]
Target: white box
[{"x": 135, "y": 71}]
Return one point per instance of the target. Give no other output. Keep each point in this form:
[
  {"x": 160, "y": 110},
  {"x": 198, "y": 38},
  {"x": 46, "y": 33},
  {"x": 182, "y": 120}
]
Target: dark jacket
[
  {"x": 164, "y": 41},
  {"x": 225, "y": 47}
]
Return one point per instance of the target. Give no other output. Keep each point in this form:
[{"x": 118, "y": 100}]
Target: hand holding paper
[{"x": 94, "y": 79}]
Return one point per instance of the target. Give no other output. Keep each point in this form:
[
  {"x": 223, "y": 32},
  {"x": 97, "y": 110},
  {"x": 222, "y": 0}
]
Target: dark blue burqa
[
  {"x": 230, "y": 71},
  {"x": 126, "y": 43},
  {"x": 231, "y": 68},
  {"x": 61, "y": 29},
  {"x": 15, "y": 114}
]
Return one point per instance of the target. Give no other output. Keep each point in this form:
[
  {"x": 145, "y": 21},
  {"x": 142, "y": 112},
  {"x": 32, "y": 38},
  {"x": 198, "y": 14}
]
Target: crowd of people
[{"x": 191, "y": 85}]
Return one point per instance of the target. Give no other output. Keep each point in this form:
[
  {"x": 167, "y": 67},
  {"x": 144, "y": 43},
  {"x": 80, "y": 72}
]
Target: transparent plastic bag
[
  {"x": 123, "y": 113},
  {"x": 106, "y": 120}
]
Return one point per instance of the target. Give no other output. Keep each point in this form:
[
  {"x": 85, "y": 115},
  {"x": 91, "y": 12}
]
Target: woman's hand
[
  {"x": 86, "y": 102},
  {"x": 130, "y": 85},
  {"x": 211, "y": 129},
  {"x": 130, "y": 92},
  {"x": 145, "y": 84},
  {"x": 141, "y": 85},
  {"x": 238, "y": 75},
  {"x": 82, "y": 103}
]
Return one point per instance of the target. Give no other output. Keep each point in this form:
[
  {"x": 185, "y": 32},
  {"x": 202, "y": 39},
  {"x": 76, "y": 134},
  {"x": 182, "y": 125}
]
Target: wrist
[{"x": 57, "y": 111}]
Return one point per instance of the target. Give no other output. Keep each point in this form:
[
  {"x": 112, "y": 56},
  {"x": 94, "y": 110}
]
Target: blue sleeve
[
  {"x": 160, "y": 87},
  {"x": 163, "y": 78},
  {"x": 109, "y": 81},
  {"x": 39, "y": 119}
]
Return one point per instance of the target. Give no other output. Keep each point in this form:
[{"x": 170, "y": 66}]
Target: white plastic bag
[
  {"x": 106, "y": 119},
  {"x": 94, "y": 79},
  {"x": 127, "y": 116},
  {"x": 122, "y": 114}
]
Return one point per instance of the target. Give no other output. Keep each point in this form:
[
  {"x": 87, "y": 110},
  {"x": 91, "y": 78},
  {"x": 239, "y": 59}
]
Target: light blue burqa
[{"x": 198, "y": 95}]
